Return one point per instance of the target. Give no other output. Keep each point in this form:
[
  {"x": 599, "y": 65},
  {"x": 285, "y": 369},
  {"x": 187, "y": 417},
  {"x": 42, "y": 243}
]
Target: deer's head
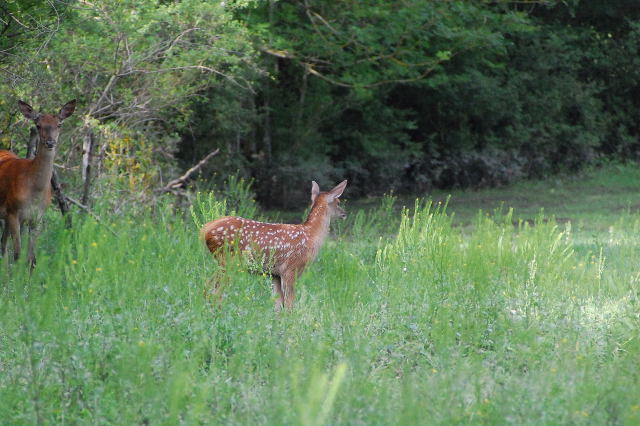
[
  {"x": 48, "y": 125},
  {"x": 331, "y": 198}
]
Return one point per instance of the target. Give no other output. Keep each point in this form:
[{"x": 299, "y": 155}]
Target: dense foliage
[{"x": 391, "y": 95}]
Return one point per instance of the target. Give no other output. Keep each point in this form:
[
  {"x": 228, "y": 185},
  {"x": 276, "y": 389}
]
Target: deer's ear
[
  {"x": 67, "y": 110},
  {"x": 338, "y": 190},
  {"x": 315, "y": 190},
  {"x": 27, "y": 111}
]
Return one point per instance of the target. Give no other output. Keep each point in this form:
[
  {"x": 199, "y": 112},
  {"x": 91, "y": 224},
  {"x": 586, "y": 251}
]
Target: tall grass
[{"x": 403, "y": 319}]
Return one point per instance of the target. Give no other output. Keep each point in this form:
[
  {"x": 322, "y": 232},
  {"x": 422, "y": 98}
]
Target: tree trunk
[
  {"x": 60, "y": 198},
  {"x": 300, "y": 114},
  {"x": 87, "y": 156}
]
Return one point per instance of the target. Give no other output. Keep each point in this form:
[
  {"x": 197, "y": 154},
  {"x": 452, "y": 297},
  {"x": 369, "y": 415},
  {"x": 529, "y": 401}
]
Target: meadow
[{"x": 448, "y": 311}]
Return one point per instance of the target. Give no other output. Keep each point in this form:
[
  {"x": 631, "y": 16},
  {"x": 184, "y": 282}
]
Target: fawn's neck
[
  {"x": 42, "y": 168},
  {"x": 317, "y": 223}
]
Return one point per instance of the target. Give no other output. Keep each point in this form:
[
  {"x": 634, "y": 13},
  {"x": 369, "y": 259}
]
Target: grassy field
[{"x": 419, "y": 316}]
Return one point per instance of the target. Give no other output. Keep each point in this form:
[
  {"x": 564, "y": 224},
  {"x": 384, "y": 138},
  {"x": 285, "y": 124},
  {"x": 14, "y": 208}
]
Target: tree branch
[
  {"x": 182, "y": 180},
  {"x": 88, "y": 210}
]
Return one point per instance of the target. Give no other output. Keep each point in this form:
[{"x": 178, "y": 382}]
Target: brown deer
[
  {"x": 25, "y": 184},
  {"x": 284, "y": 250}
]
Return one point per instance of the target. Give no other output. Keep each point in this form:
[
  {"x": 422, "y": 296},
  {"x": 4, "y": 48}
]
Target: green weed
[{"x": 405, "y": 318}]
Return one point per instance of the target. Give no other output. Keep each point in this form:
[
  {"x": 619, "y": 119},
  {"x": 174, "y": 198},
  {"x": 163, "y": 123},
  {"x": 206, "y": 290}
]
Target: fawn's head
[
  {"x": 331, "y": 198},
  {"x": 48, "y": 125}
]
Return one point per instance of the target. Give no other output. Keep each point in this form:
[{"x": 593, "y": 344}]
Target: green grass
[
  {"x": 414, "y": 317},
  {"x": 590, "y": 200}
]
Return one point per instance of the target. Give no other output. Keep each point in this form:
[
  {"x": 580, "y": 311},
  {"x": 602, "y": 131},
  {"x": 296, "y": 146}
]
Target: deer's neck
[
  {"x": 42, "y": 168},
  {"x": 317, "y": 224}
]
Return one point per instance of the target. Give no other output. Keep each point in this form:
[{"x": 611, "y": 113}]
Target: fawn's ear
[
  {"x": 315, "y": 190},
  {"x": 27, "y": 111},
  {"x": 67, "y": 110},
  {"x": 337, "y": 191}
]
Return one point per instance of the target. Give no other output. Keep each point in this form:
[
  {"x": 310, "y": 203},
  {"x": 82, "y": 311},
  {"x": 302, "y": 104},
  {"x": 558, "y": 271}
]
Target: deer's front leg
[
  {"x": 34, "y": 231},
  {"x": 14, "y": 229},
  {"x": 5, "y": 238}
]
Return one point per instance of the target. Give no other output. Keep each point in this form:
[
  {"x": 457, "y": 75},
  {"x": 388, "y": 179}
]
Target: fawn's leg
[
  {"x": 213, "y": 286},
  {"x": 276, "y": 287},
  {"x": 288, "y": 281}
]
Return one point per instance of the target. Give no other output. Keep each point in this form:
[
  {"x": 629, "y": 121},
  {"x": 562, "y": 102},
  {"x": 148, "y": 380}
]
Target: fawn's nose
[{"x": 50, "y": 143}]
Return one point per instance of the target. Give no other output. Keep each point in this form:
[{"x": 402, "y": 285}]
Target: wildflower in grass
[
  {"x": 434, "y": 371},
  {"x": 141, "y": 343},
  {"x": 74, "y": 262},
  {"x": 98, "y": 269},
  {"x": 94, "y": 244}
]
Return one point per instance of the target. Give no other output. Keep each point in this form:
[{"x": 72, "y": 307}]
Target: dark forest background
[{"x": 392, "y": 95}]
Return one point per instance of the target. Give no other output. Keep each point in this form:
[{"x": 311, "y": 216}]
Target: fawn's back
[{"x": 280, "y": 244}]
